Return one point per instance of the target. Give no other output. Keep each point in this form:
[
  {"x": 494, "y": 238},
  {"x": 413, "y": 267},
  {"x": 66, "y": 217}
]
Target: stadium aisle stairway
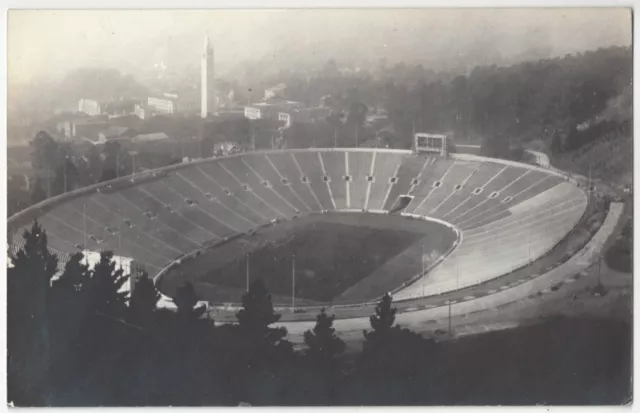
[
  {"x": 335, "y": 167},
  {"x": 309, "y": 164},
  {"x": 385, "y": 167}
]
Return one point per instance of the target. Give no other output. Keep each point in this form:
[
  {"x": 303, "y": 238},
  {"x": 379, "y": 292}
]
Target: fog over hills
[{"x": 139, "y": 42}]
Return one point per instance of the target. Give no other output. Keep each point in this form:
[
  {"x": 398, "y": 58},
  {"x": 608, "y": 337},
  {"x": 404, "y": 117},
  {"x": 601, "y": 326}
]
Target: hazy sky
[{"x": 49, "y": 43}]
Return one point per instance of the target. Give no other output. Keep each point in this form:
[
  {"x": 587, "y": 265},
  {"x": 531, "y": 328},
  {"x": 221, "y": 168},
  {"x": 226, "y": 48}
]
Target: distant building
[
  {"x": 113, "y": 133},
  {"x": 309, "y": 115},
  {"x": 89, "y": 106},
  {"x": 163, "y": 104},
  {"x": 150, "y": 137},
  {"x": 82, "y": 129},
  {"x": 286, "y": 118},
  {"x": 118, "y": 108},
  {"x": 271, "y": 109},
  {"x": 143, "y": 111},
  {"x": 275, "y": 92}
]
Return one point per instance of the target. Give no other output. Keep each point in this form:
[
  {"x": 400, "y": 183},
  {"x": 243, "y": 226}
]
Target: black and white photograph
[{"x": 351, "y": 206}]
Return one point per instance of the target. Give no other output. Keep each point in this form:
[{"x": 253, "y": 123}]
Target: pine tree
[
  {"x": 259, "y": 352},
  {"x": 75, "y": 275},
  {"x": 322, "y": 341},
  {"x": 186, "y": 300},
  {"x": 384, "y": 317},
  {"x": 106, "y": 284},
  {"x": 143, "y": 301},
  {"x": 28, "y": 331},
  {"x": 257, "y": 312},
  {"x": 68, "y": 305}
]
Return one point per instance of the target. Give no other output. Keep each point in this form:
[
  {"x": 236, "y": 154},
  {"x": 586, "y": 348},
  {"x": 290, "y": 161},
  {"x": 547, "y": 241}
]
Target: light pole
[
  {"x": 84, "y": 221},
  {"x": 64, "y": 173},
  {"x": 247, "y": 272},
  {"x": 133, "y": 160},
  {"x": 450, "y": 335},
  {"x": 293, "y": 285},
  {"x": 422, "y": 270},
  {"x": 335, "y": 138}
]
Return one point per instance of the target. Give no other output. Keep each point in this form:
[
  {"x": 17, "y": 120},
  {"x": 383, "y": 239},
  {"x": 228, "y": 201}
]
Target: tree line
[
  {"x": 535, "y": 100},
  {"x": 76, "y": 337}
]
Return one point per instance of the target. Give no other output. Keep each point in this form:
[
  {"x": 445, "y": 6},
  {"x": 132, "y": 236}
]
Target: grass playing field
[{"x": 338, "y": 257}]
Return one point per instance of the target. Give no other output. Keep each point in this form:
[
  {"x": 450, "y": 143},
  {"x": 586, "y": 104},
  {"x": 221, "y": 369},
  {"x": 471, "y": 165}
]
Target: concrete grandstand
[{"x": 513, "y": 212}]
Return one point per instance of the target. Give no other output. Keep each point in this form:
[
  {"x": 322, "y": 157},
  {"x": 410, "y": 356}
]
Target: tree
[
  {"x": 18, "y": 197},
  {"x": 385, "y": 316},
  {"x": 45, "y": 156},
  {"x": 391, "y": 354},
  {"x": 65, "y": 178},
  {"x": 324, "y": 345},
  {"x": 28, "y": 327},
  {"x": 68, "y": 305},
  {"x": 186, "y": 300},
  {"x": 260, "y": 353},
  {"x": 38, "y": 194},
  {"x": 257, "y": 312},
  {"x": 106, "y": 287},
  {"x": 144, "y": 299}
]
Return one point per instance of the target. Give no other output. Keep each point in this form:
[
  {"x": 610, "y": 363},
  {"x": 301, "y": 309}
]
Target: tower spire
[{"x": 207, "y": 92}]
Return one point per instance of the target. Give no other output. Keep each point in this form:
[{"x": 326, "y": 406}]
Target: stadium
[{"x": 334, "y": 227}]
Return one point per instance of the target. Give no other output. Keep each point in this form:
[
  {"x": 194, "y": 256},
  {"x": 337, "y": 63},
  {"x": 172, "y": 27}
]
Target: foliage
[
  {"x": 28, "y": 321},
  {"x": 186, "y": 300},
  {"x": 322, "y": 342},
  {"x": 143, "y": 300},
  {"x": 105, "y": 287}
]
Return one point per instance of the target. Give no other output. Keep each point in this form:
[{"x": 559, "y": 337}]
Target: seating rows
[
  {"x": 360, "y": 164},
  {"x": 492, "y": 203},
  {"x": 334, "y": 165},
  {"x": 385, "y": 168}
]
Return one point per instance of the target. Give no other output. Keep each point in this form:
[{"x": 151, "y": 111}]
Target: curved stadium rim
[{"x": 27, "y": 215}]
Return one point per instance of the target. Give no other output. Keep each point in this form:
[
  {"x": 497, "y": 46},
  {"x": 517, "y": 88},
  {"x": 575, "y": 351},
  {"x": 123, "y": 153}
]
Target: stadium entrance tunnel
[{"x": 340, "y": 258}]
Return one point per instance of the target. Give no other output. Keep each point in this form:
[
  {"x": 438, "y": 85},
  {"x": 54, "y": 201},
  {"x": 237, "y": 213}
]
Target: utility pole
[
  {"x": 450, "y": 334},
  {"x": 247, "y": 272},
  {"x": 86, "y": 248},
  {"x": 357, "y": 129},
  {"x": 253, "y": 139},
  {"x": 335, "y": 137},
  {"x": 64, "y": 177},
  {"x": 422, "y": 270},
  {"x": 293, "y": 283},
  {"x": 118, "y": 163}
]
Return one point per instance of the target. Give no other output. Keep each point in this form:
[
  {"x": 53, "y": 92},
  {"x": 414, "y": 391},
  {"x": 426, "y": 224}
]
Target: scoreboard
[{"x": 431, "y": 142}]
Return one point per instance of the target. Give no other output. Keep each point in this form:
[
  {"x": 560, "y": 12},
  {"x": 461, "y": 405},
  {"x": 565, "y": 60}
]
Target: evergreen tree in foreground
[
  {"x": 324, "y": 345},
  {"x": 106, "y": 285},
  {"x": 186, "y": 300},
  {"x": 143, "y": 301},
  {"x": 385, "y": 316},
  {"x": 257, "y": 312},
  {"x": 260, "y": 352},
  {"x": 28, "y": 320}
]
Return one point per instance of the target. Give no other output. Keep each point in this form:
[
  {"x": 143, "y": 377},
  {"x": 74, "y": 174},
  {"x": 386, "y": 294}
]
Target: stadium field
[{"x": 339, "y": 258}]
